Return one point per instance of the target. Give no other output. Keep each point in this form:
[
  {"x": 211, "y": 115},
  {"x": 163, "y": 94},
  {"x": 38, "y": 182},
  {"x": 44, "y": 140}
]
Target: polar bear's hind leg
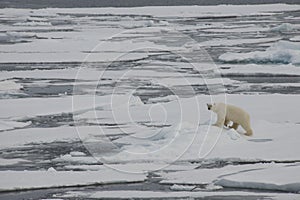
[
  {"x": 249, "y": 132},
  {"x": 234, "y": 126},
  {"x": 248, "y": 129}
]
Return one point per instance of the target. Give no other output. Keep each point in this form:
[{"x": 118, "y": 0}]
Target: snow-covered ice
[
  {"x": 282, "y": 178},
  {"x": 11, "y": 124},
  {"x": 279, "y": 52},
  {"x": 14, "y": 161},
  {"x": 205, "y": 176},
  {"x": 136, "y": 194},
  {"x": 9, "y": 86},
  {"x": 24, "y": 180},
  {"x": 271, "y": 131},
  {"x": 255, "y": 176},
  {"x": 284, "y": 27},
  {"x": 114, "y": 96}
]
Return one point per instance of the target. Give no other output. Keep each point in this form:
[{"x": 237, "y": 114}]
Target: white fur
[{"x": 227, "y": 113}]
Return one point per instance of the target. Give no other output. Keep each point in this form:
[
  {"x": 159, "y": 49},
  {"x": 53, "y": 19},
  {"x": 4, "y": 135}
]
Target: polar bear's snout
[{"x": 209, "y": 106}]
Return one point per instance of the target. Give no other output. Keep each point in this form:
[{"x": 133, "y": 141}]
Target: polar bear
[{"x": 227, "y": 113}]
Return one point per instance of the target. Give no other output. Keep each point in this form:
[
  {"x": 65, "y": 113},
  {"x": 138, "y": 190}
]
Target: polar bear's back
[{"x": 236, "y": 114}]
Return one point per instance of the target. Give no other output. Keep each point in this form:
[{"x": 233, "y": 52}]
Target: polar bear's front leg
[
  {"x": 226, "y": 122},
  {"x": 220, "y": 120}
]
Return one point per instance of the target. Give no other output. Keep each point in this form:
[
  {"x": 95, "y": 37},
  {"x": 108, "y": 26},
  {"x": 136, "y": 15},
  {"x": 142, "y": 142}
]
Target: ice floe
[
  {"x": 11, "y": 124},
  {"x": 233, "y": 42},
  {"x": 258, "y": 69},
  {"x": 137, "y": 194},
  {"x": 280, "y": 52},
  {"x": 251, "y": 176},
  {"x": 182, "y": 187},
  {"x": 15, "y": 37},
  {"x": 281, "y": 178},
  {"x": 271, "y": 131},
  {"x": 204, "y": 176},
  {"x": 24, "y": 180},
  {"x": 7, "y": 85},
  {"x": 76, "y": 159},
  {"x": 33, "y": 23},
  {"x": 296, "y": 39},
  {"x": 12, "y": 161},
  {"x": 285, "y": 27}
]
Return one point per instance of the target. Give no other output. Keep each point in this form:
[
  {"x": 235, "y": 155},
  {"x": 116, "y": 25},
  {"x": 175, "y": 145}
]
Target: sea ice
[
  {"x": 22, "y": 180},
  {"x": 280, "y": 52},
  {"x": 285, "y": 27},
  {"x": 278, "y": 177}
]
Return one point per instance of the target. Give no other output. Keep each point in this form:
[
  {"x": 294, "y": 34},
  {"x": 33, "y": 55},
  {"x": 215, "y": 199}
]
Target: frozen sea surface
[
  {"x": 105, "y": 103},
  {"x": 128, "y": 3}
]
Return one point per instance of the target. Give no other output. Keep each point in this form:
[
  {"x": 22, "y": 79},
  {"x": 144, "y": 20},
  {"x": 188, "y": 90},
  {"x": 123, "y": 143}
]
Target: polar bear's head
[{"x": 211, "y": 106}]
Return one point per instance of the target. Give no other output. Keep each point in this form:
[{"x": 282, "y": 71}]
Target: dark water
[{"x": 126, "y": 3}]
